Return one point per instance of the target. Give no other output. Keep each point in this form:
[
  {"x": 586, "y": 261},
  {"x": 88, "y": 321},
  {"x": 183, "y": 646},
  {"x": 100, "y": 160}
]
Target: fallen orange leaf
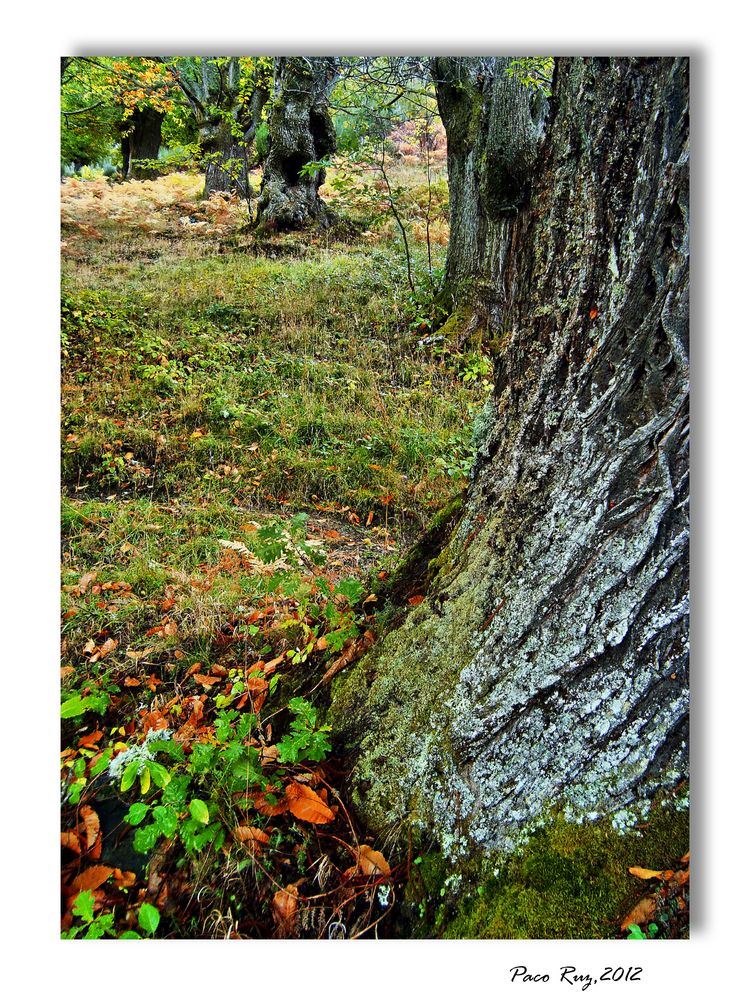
[
  {"x": 253, "y": 838},
  {"x": 69, "y": 839},
  {"x": 643, "y": 910},
  {"x": 266, "y": 808},
  {"x": 89, "y": 825},
  {"x": 92, "y": 878},
  {"x": 306, "y": 804},
  {"x": 91, "y": 739},
  {"x": 207, "y": 680},
  {"x": 372, "y": 862},
  {"x": 124, "y": 879},
  {"x": 645, "y": 873},
  {"x": 154, "y": 720},
  {"x": 284, "y": 907}
]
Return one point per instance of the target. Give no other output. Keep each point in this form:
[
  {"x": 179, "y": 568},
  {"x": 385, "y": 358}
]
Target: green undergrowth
[
  {"x": 569, "y": 881},
  {"x": 299, "y": 380},
  {"x": 252, "y": 430},
  {"x": 194, "y": 640}
]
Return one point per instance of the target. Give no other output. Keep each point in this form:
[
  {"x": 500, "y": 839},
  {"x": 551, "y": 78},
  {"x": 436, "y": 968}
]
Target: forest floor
[{"x": 253, "y": 431}]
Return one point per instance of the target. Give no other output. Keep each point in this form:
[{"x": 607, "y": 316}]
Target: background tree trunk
[
  {"x": 547, "y": 666},
  {"x": 225, "y": 160},
  {"x": 142, "y": 142},
  {"x": 300, "y": 132},
  {"x": 493, "y": 126}
]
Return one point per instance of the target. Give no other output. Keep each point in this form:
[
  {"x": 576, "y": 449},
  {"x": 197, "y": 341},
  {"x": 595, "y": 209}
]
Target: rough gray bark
[
  {"x": 548, "y": 666},
  {"x": 141, "y": 140},
  {"x": 300, "y": 131}
]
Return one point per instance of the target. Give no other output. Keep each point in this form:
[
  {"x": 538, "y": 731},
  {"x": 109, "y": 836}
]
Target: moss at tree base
[{"x": 569, "y": 881}]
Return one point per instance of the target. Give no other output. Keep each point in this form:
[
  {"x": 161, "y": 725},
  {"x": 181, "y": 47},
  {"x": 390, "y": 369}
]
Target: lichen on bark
[{"x": 548, "y": 664}]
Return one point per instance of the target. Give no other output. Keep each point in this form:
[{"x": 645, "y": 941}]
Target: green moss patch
[{"x": 568, "y": 881}]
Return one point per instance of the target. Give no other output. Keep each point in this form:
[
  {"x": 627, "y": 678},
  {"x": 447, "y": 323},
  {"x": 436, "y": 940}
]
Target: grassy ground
[{"x": 251, "y": 430}]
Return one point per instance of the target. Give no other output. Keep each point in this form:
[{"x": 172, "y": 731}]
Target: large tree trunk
[
  {"x": 141, "y": 142},
  {"x": 547, "y": 667},
  {"x": 300, "y": 132}
]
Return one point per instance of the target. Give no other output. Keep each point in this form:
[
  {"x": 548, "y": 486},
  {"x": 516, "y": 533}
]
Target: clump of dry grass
[{"x": 166, "y": 205}]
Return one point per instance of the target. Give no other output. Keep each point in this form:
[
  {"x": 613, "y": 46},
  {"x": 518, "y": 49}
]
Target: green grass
[{"x": 296, "y": 379}]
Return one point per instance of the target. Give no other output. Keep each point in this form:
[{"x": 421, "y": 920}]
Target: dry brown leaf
[
  {"x": 253, "y": 838},
  {"x": 372, "y": 862},
  {"x": 643, "y": 910},
  {"x": 89, "y": 825},
  {"x": 124, "y": 879},
  {"x": 416, "y": 599},
  {"x": 306, "y": 804},
  {"x": 92, "y": 878},
  {"x": 685, "y": 858},
  {"x": 645, "y": 873},
  {"x": 91, "y": 739},
  {"x": 104, "y": 650},
  {"x": 284, "y": 907},
  {"x": 154, "y": 720},
  {"x": 69, "y": 839},
  {"x": 266, "y": 808},
  {"x": 351, "y": 652},
  {"x": 681, "y": 877},
  {"x": 206, "y": 680},
  {"x": 272, "y": 664}
]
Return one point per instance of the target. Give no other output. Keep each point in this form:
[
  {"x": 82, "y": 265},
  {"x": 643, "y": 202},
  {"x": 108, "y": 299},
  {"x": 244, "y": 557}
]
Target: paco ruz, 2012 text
[{"x": 569, "y": 974}]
